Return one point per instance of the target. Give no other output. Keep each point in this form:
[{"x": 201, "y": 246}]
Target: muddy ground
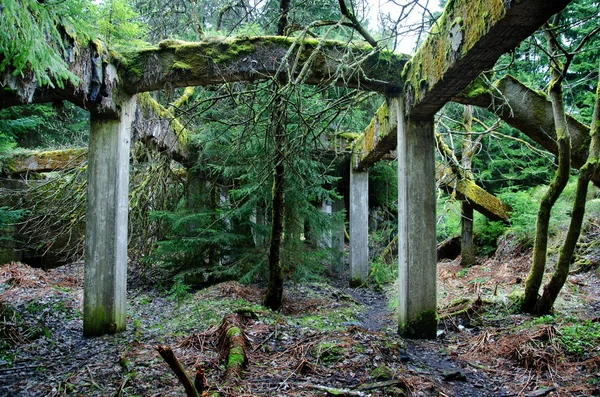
[{"x": 328, "y": 339}]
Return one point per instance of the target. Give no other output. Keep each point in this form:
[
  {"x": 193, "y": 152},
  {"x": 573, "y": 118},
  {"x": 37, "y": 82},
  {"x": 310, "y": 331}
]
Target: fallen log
[{"x": 232, "y": 346}]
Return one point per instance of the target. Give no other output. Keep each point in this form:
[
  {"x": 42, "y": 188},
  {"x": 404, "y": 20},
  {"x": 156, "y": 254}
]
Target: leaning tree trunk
[
  {"x": 561, "y": 177},
  {"x": 274, "y": 295},
  {"x": 551, "y": 290}
]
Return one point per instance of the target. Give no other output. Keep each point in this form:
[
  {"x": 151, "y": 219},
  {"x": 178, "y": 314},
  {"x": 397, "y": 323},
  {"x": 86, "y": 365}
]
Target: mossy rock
[{"x": 382, "y": 373}]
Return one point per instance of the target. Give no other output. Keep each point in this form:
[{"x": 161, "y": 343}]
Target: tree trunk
[
  {"x": 551, "y": 290},
  {"x": 467, "y": 250},
  {"x": 561, "y": 176},
  {"x": 274, "y": 294}
]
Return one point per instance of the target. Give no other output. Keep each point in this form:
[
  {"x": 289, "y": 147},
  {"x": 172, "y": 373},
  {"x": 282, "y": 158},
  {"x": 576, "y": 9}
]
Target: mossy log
[
  {"x": 232, "y": 346},
  {"x": 466, "y": 40},
  {"x": 530, "y": 112}
]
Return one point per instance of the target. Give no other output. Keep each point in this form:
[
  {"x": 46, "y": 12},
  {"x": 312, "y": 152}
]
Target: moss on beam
[
  {"x": 466, "y": 40},
  {"x": 153, "y": 109},
  {"x": 43, "y": 161},
  {"x": 482, "y": 201},
  {"x": 530, "y": 112},
  {"x": 217, "y": 60}
]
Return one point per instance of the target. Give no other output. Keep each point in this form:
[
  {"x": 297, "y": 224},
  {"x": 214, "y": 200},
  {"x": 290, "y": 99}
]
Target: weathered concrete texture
[
  {"x": 466, "y": 40},
  {"x": 105, "y": 283},
  {"x": 530, "y": 112},
  {"x": 156, "y": 127},
  {"x": 416, "y": 228},
  {"x": 359, "y": 227},
  {"x": 482, "y": 201},
  {"x": 338, "y": 237},
  {"x": 259, "y": 227},
  {"x": 44, "y": 161},
  {"x": 218, "y": 60},
  {"x": 324, "y": 240}
]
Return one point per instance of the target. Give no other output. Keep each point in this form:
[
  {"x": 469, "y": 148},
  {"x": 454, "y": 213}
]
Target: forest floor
[{"x": 328, "y": 339}]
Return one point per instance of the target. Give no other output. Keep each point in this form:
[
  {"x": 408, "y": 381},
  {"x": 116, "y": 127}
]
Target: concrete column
[
  {"x": 417, "y": 315},
  {"x": 337, "y": 236},
  {"x": 324, "y": 239},
  {"x": 105, "y": 281},
  {"x": 258, "y": 219},
  {"x": 359, "y": 227}
]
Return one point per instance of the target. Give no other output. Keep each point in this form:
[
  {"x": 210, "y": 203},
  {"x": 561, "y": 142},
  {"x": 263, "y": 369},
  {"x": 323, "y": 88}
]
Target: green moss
[
  {"x": 423, "y": 327},
  {"x": 432, "y": 58},
  {"x": 349, "y": 135},
  {"x": 237, "y": 357},
  {"x": 476, "y": 89},
  {"x": 233, "y": 331},
  {"x": 181, "y": 66},
  {"x": 382, "y": 373},
  {"x": 327, "y": 352},
  {"x": 147, "y": 103}
]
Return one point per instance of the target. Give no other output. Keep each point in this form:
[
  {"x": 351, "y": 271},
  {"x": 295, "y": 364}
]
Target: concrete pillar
[
  {"x": 337, "y": 236},
  {"x": 359, "y": 227},
  {"x": 324, "y": 238},
  {"x": 258, "y": 219},
  {"x": 105, "y": 281},
  {"x": 417, "y": 317}
]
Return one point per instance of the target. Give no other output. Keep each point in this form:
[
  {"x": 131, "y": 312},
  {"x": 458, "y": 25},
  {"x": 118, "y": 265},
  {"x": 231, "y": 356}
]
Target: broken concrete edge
[{"x": 424, "y": 326}]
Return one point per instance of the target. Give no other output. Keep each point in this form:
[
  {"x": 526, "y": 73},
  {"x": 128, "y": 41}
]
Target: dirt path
[{"x": 326, "y": 337}]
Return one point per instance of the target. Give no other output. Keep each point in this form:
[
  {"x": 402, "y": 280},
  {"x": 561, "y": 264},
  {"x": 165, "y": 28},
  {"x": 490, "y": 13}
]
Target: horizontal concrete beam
[
  {"x": 530, "y": 112},
  {"x": 45, "y": 161},
  {"x": 102, "y": 74},
  {"x": 482, "y": 201},
  {"x": 466, "y": 40},
  {"x": 215, "y": 61}
]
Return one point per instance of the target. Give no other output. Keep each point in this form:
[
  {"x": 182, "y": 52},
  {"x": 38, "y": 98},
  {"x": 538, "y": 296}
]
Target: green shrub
[{"x": 580, "y": 339}]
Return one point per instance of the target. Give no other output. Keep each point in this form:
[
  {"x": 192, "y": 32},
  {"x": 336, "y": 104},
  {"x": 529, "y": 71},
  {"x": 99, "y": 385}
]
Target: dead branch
[{"x": 167, "y": 354}]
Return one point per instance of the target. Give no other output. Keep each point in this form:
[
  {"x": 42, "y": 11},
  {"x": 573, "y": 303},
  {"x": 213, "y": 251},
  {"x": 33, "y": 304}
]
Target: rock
[{"x": 382, "y": 373}]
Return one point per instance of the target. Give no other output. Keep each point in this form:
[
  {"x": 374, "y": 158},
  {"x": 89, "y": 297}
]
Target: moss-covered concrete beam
[
  {"x": 157, "y": 128},
  {"x": 96, "y": 88},
  {"x": 46, "y": 161},
  {"x": 466, "y": 40},
  {"x": 482, "y": 201},
  {"x": 215, "y": 61},
  {"x": 153, "y": 125},
  {"x": 530, "y": 112}
]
